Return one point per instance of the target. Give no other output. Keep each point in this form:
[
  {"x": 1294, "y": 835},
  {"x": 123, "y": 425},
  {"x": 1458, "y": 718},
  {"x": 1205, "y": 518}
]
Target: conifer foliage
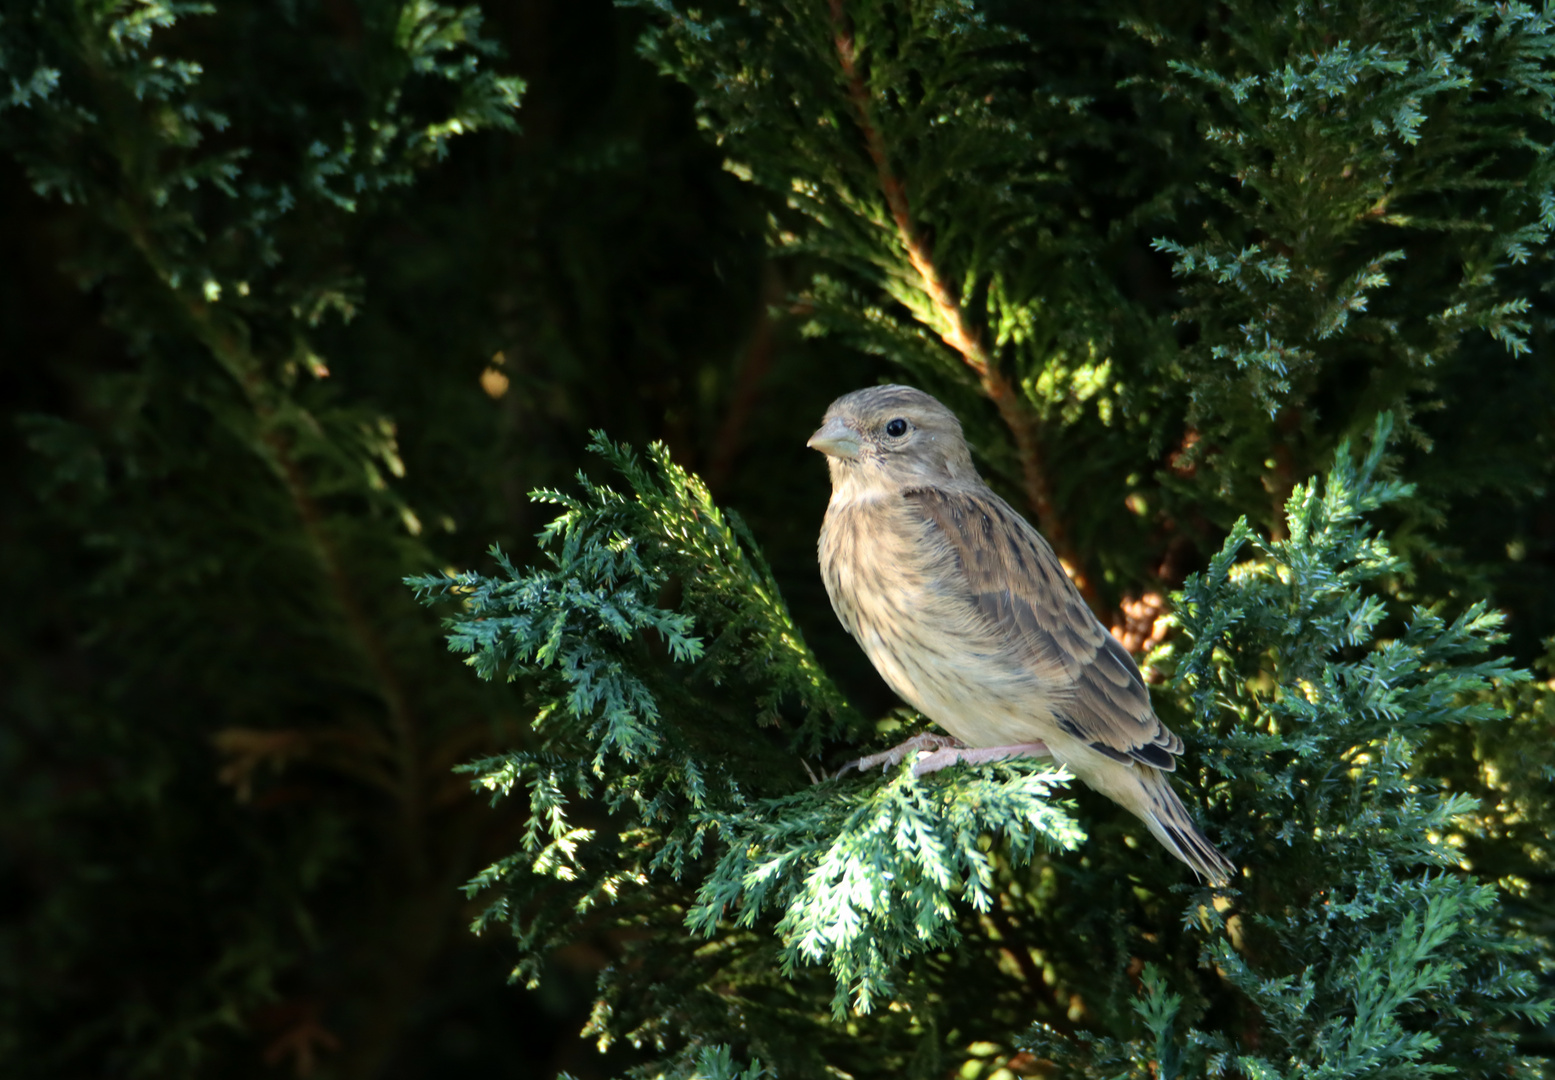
[
  {"x": 1344, "y": 193},
  {"x": 1346, "y": 197},
  {"x": 1244, "y": 304},
  {"x": 226, "y": 516},
  {"x": 1352, "y": 942},
  {"x": 860, "y": 879}
]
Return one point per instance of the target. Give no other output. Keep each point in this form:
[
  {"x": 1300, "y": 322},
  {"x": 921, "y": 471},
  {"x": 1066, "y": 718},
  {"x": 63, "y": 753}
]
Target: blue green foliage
[
  {"x": 1353, "y": 205},
  {"x": 1353, "y": 941},
  {"x": 692, "y": 725},
  {"x": 611, "y": 556},
  {"x": 1313, "y": 698},
  {"x": 699, "y": 1062},
  {"x": 1348, "y": 147},
  {"x": 866, "y": 879}
]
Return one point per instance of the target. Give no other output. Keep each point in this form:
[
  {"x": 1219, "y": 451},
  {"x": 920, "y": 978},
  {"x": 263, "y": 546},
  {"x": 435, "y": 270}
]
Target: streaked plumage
[{"x": 966, "y": 613}]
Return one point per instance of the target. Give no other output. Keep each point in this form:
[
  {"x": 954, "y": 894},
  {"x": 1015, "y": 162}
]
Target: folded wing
[{"x": 1010, "y": 575}]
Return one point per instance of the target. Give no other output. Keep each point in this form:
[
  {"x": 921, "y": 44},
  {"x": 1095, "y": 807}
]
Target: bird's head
[{"x": 892, "y": 437}]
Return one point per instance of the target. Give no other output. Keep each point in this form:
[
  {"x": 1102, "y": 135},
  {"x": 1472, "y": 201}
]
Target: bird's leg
[
  {"x": 962, "y": 755},
  {"x": 898, "y": 753},
  {"x": 941, "y": 751}
]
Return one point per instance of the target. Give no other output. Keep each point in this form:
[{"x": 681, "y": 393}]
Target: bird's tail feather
[{"x": 1168, "y": 821}]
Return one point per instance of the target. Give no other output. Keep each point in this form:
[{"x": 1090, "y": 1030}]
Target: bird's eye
[{"x": 896, "y": 428}]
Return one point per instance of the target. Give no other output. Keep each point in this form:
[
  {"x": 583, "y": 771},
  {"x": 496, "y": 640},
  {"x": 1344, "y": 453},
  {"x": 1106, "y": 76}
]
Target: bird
[{"x": 968, "y": 615}]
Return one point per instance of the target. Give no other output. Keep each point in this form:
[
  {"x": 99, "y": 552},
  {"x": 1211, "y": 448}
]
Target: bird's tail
[{"x": 1167, "y": 819}]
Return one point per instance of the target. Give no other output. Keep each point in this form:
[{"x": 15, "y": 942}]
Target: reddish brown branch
[
  {"x": 755, "y": 362},
  {"x": 954, "y": 327}
]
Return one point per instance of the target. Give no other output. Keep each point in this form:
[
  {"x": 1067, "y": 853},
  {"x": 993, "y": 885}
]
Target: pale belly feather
[{"x": 930, "y": 645}]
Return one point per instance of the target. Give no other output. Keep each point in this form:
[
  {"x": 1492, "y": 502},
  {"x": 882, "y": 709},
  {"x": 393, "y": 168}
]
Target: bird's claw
[
  {"x": 940, "y": 751},
  {"x": 964, "y": 755},
  {"x": 886, "y": 759}
]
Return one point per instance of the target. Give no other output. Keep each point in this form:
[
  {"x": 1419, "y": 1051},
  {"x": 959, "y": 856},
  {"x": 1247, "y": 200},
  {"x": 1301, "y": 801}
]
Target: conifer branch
[
  {"x": 954, "y": 327},
  {"x": 955, "y": 330},
  {"x": 272, "y": 447}
]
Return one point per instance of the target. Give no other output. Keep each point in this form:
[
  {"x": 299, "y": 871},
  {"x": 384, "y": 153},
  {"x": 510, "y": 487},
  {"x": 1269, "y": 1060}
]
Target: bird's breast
[{"x": 896, "y": 594}]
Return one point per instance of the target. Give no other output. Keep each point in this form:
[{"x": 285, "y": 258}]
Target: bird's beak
[{"x": 835, "y": 439}]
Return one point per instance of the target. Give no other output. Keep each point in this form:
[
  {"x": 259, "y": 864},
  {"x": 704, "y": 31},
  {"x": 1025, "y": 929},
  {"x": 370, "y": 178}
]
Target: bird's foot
[
  {"x": 963, "y": 755},
  {"x": 936, "y": 752},
  {"x": 926, "y": 741}
]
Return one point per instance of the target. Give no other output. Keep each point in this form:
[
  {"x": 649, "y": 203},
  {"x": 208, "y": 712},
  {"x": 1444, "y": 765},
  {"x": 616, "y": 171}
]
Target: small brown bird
[{"x": 965, "y": 611}]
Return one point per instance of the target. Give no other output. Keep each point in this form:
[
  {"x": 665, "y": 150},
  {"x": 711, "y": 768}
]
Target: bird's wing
[{"x": 1012, "y": 578}]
